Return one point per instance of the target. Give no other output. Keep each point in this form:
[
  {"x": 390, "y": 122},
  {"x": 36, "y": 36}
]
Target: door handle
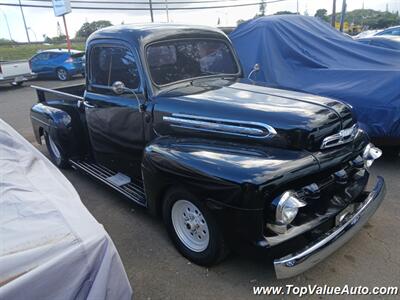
[{"x": 88, "y": 105}]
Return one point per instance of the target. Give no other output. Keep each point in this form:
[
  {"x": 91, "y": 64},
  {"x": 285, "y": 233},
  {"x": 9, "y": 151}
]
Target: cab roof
[{"x": 142, "y": 34}]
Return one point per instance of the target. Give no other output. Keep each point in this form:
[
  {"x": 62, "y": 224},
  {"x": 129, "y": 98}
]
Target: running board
[{"x": 132, "y": 190}]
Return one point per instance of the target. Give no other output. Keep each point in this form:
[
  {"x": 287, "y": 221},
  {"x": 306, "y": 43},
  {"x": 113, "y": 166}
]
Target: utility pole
[
  {"x": 297, "y": 6},
  {"x": 8, "y": 25},
  {"x": 151, "y": 11},
  {"x": 34, "y": 33},
  {"x": 66, "y": 34},
  {"x": 23, "y": 18},
  {"x": 333, "y": 22},
  {"x": 343, "y": 14},
  {"x": 166, "y": 8}
]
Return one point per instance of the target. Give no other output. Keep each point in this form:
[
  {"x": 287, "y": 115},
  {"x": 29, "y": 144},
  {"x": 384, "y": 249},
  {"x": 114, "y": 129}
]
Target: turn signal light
[{"x": 288, "y": 207}]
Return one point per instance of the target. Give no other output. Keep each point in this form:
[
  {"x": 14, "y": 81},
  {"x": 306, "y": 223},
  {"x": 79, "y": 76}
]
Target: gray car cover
[{"x": 51, "y": 247}]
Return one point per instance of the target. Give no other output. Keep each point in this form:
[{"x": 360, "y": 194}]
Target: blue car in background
[
  {"x": 58, "y": 63},
  {"x": 385, "y": 41}
]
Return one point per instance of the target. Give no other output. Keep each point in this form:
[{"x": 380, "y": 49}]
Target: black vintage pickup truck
[{"x": 167, "y": 120}]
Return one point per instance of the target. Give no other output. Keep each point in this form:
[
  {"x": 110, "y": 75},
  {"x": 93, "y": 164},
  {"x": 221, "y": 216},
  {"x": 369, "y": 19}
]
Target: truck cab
[{"x": 167, "y": 120}]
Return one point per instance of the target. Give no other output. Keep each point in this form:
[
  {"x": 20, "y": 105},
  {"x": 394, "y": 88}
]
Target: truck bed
[{"x": 75, "y": 91}]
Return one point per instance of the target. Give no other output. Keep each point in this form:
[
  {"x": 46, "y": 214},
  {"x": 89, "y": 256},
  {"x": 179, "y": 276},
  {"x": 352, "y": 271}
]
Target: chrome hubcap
[
  {"x": 54, "y": 148},
  {"x": 62, "y": 74},
  {"x": 190, "y": 225}
]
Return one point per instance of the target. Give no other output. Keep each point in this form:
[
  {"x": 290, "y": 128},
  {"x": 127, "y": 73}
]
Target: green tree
[
  {"x": 371, "y": 19},
  {"x": 88, "y": 28},
  {"x": 57, "y": 39},
  {"x": 322, "y": 14},
  {"x": 263, "y": 6},
  {"x": 284, "y": 12},
  {"x": 5, "y": 41}
]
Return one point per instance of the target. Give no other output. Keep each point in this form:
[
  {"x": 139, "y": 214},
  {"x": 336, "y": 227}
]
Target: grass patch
[{"x": 26, "y": 51}]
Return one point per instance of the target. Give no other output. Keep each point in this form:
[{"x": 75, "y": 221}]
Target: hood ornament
[{"x": 344, "y": 136}]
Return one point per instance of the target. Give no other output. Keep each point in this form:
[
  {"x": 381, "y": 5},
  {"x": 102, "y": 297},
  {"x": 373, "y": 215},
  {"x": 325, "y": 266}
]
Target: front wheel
[
  {"x": 62, "y": 74},
  {"x": 193, "y": 228},
  {"x": 56, "y": 155}
]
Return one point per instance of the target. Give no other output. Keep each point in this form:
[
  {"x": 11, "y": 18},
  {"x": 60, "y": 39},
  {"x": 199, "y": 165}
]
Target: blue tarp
[{"x": 306, "y": 54}]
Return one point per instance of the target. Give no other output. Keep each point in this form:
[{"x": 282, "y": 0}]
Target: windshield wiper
[
  {"x": 176, "y": 86},
  {"x": 191, "y": 81}
]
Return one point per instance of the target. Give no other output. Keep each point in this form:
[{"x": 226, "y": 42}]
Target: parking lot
[{"x": 157, "y": 271}]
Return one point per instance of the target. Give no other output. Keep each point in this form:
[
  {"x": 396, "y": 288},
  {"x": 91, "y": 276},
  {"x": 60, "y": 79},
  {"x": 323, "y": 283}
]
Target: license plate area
[{"x": 19, "y": 78}]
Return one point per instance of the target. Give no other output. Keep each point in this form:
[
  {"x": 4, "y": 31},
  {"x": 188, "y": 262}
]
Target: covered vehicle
[
  {"x": 306, "y": 54},
  {"x": 51, "y": 247}
]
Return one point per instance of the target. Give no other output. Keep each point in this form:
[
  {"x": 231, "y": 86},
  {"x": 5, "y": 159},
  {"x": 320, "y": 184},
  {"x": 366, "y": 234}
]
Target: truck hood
[{"x": 294, "y": 120}]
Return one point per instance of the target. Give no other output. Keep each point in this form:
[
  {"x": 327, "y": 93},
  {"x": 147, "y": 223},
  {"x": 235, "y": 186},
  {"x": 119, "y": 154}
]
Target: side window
[
  {"x": 396, "y": 31},
  {"x": 109, "y": 64},
  {"x": 54, "y": 55},
  {"x": 35, "y": 58},
  {"x": 40, "y": 57},
  {"x": 44, "y": 56}
]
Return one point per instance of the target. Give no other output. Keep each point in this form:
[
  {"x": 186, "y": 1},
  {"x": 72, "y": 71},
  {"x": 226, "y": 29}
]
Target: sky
[{"x": 41, "y": 21}]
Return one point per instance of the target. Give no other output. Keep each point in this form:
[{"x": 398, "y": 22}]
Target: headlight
[
  {"x": 370, "y": 154},
  {"x": 288, "y": 207}
]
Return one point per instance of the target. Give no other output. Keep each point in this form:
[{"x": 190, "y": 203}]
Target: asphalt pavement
[{"x": 157, "y": 271}]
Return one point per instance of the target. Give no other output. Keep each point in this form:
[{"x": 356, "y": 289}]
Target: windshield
[{"x": 177, "y": 60}]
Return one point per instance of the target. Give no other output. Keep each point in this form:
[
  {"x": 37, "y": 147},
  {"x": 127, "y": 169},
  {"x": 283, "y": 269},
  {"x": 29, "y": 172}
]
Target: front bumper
[{"x": 296, "y": 263}]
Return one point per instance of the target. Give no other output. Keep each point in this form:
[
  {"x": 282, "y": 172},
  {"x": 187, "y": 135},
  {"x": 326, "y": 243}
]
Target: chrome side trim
[
  {"x": 296, "y": 263},
  {"x": 344, "y": 136},
  {"x": 225, "y": 126},
  {"x": 39, "y": 88}
]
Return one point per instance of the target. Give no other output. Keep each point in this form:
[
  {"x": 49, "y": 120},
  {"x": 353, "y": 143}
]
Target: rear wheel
[
  {"x": 62, "y": 74},
  {"x": 193, "y": 228},
  {"x": 56, "y": 155}
]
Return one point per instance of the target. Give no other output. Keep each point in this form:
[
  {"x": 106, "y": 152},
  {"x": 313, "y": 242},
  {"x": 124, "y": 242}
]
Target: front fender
[{"x": 233, "y": 175}]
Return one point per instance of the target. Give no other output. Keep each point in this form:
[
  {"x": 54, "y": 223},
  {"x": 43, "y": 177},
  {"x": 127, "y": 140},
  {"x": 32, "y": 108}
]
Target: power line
[
  {"x": 145, "y": 3},
  {"x": 142, "y": 8}
]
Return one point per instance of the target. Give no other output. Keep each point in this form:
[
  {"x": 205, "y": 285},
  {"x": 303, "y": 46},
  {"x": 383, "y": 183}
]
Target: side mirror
[
  {"x": 255, "y": 69},
  {"x": 118, "y": 87}
]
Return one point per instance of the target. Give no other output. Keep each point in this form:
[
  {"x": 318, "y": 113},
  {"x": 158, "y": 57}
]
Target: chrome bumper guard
[{"x": 296, "y": 263}]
